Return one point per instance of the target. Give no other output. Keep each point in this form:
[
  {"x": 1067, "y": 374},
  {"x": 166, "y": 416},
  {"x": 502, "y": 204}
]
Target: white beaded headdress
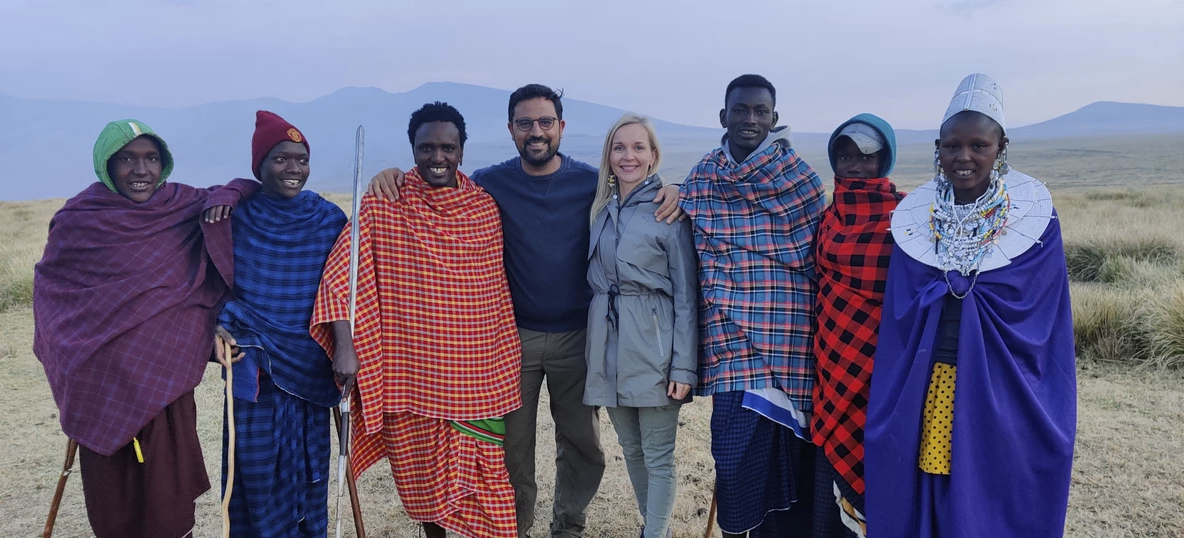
[{"x": 979, "y": 93}]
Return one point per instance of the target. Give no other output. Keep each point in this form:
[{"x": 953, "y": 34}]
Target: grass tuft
[
  {"x": 1108, "y": 324},
  {"x": 1166, "y": 327}
]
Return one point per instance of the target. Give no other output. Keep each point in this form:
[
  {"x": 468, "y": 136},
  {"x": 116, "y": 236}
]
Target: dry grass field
[{"x": 1121, "y": 207}]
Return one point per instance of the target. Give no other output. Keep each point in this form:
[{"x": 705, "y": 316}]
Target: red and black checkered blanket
[{"x": 852, "y": 251}]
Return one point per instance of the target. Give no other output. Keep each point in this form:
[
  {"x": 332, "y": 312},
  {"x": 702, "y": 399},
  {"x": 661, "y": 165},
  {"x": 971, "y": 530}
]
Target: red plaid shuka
[
  {"x": 853, "y": 248},
  {"x": 434, "y": 328},
  {"x": 437, "y": 342}
]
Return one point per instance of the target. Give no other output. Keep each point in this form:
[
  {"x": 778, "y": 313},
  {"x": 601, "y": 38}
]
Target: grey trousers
[
  {"x": 647, "y": 436},
  {"x": 557, "y": 358}
]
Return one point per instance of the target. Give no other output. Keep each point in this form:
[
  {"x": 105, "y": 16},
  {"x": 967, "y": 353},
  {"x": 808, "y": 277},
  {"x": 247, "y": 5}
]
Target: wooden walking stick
[
  {"x": 67, "y": 468},
  {"x": 711, "y": 514},
  {"x": 230, "y": 432}
]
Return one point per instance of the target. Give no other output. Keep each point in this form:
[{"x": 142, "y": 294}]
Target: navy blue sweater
[{"x": 545, "y": 229}]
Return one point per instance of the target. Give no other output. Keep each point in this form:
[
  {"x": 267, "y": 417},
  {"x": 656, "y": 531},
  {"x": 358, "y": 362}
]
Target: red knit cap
[{"x": 270, "y": 129}]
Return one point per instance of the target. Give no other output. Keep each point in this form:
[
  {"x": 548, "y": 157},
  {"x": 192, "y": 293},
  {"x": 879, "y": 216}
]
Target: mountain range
[{"x": 46, "y": 146}]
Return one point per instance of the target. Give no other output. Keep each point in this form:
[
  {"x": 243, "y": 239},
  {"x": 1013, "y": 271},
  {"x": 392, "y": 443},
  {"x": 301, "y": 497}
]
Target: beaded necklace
[{"x": 964, "y": 234}]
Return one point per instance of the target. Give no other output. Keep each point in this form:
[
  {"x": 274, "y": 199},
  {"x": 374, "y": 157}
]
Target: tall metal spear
[{"x": 344, "y": 424}]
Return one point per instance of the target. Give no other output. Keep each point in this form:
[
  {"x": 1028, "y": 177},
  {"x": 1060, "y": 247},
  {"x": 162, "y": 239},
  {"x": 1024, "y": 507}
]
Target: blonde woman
[{"x": 642, "y": 324}]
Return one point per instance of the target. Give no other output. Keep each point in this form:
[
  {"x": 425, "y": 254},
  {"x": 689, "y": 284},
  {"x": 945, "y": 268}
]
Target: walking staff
[{"x": 343, "y": 423}]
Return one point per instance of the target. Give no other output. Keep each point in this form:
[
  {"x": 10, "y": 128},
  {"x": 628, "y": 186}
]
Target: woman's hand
[{"x": 678, "y": 391}]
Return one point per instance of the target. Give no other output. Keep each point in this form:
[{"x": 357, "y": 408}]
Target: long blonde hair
[{"x": 604, "y": 192}]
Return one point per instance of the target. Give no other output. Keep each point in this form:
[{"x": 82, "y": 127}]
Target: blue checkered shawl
[
  {"x": 280, "y": 248},
  {"x": 754, "y": 227}
]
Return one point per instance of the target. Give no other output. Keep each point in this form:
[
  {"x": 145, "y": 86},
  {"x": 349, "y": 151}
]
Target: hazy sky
[{"x": 901, "y": 59}]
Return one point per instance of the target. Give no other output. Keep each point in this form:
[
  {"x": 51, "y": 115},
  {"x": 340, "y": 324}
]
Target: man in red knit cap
[{"x": 283, "y": 383}]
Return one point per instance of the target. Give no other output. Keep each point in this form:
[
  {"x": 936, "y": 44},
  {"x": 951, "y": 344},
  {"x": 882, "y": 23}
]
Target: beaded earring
[
  {"x": 999, "y": 170},
  {"x": 1001, "y": 162},
  {"x": 937, "y": 175},
  {"x": 612, "y": 185}
]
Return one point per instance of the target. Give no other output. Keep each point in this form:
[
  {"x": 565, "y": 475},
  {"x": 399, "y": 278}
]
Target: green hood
[{"x": 116, "y": 135}]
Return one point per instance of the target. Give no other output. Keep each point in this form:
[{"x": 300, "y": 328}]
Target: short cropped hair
[
  {"x": 751, "y": 81},
  {"x": 437, "y": 111}
]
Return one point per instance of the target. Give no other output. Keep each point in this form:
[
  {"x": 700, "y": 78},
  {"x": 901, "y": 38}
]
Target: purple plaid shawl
[{"x": 124, "y": 302}]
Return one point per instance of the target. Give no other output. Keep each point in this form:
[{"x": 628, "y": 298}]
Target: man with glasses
[{"x": 545, "y": 198}]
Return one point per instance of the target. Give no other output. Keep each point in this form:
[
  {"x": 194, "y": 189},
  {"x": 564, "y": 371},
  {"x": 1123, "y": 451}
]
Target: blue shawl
[
  {"x": 1015, "y": 405},
  {"x": 280, "y": 248}
]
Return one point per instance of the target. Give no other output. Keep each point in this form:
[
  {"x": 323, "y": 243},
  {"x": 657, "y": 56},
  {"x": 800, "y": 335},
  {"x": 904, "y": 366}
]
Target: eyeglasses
[{"x": 545, "y": 123}]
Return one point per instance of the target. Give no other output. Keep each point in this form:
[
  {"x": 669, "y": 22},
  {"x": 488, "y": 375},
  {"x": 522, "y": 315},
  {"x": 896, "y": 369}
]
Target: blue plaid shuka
[
  {"x": 754, "y": 228},
  {"x": 280, "y": 249},
  {"x": 281, "y": 467},
  {"x": 284, "y": 386},
  {"x": 764, "y": 473}
]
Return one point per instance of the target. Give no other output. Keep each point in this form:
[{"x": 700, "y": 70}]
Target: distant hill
[
  {"x": 45, "y": 146},
  {"x": 1103, "y": 118},
  {"x": 1109, "y": 118}
]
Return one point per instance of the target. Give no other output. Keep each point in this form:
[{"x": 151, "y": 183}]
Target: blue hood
[{"x": 879, "y": 125}]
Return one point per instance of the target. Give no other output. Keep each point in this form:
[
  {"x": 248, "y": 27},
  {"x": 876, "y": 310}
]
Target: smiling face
[
  {"x": 539, "y": 142},
  {"x": 748, "y": 116},
  {"x": 631, "y": 156},
  {"x": 284, "y": 170},
  {"x": 967, "y": 148},
  {"x": 852, "y": 163},
  {"x": 135, "y": 169},
  {"x": 438, "y": 153}
]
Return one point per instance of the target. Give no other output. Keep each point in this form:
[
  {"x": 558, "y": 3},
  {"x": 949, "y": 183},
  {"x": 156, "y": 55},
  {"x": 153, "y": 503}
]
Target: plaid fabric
[
  {"x": 124, "y": 301},
  {"x": 435, "y": 330},
  {"x": 851, "y": 506},
  {"x": 853, "y": 250},
  {"x": 762, "y": 480},
  {"x": 280, "y": 248},
  {"x": 754, "y": 225},
  {"x": 443, "y": 475},
  {"x": 281, "y": 466},
  {"x": 828, "y": 521}
]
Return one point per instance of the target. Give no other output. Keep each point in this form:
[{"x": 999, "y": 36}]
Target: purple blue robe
[{"x": 1015, "y": 401}]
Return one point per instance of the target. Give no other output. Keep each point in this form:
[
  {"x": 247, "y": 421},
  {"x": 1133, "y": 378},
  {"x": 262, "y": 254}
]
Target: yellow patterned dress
[{"x": 937, "y": 426}]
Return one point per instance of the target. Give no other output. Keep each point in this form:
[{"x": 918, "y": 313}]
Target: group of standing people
[{"x": 615, "y": 287}]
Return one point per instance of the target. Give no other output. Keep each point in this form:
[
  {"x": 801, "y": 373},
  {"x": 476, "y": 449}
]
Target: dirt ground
[{"x": 1128, "y": 478}]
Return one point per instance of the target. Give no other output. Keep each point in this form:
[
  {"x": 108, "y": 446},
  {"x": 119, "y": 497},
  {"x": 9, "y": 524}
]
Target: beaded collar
[
  {"x": 963, "y": 233},
  {"x": 1008, "y": 222}
]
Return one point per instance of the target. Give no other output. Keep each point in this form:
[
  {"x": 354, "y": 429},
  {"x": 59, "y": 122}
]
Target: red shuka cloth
[{"x": 853, "y": 248}]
